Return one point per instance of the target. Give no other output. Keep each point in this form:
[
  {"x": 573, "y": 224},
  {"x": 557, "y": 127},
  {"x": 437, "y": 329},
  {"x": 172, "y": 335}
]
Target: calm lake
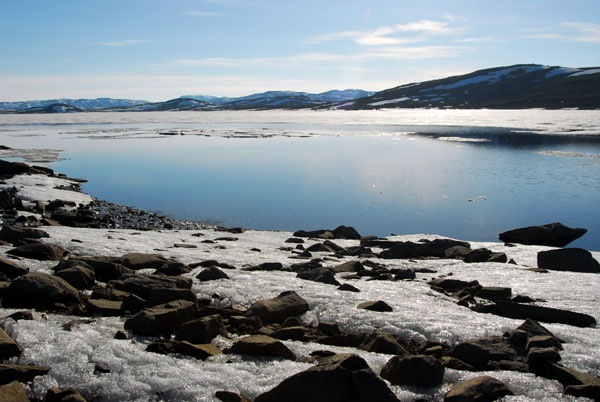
[{"x": 463, "y": 174}]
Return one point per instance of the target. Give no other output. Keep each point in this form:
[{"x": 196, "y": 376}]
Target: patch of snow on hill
[
  {"x": 586, "y": 72},
  {"x": 385, "y": 102},
  {"x": 490, "y": 77}
]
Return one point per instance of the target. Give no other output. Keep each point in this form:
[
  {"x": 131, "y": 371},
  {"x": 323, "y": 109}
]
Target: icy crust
[
  {"x": 419, "y": 314},
  {"x": 44, "y": 188}
]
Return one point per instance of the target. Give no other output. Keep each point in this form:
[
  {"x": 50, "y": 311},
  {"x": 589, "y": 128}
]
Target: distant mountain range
[{"x": 520, "y": 86}]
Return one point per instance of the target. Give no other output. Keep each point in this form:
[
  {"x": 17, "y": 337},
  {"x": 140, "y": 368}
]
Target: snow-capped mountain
[
  {"x": 84, "y": 104},
  {"x": 514, "y": 87}
]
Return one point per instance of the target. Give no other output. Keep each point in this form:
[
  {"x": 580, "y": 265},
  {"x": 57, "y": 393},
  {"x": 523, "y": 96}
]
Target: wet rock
[
  {"x": 8, "y": 347},
  {"x": 174, "y": 269},
  {"x": 378, "y": 305},
  {"x": 261, "y": 345},
  {"x": 11, "y": 269},
  {"x": 553, "y": 234},
  {"x": 169, "y": 346},
  {"x": 20, "y": 373},
  {"x": 328, "y": 328},
  {"x": 9, "y": 169},
  {"x": 456, "y": 364},
  {"x": 79, "y": 277},
  {"x": 22, "y": 315},
  {"x": 478, "y": 353},
  {"x": 39, "y": 251},
  {"x": 295, "y": 333},
  {"x": 211, "y": 274},
  {"x": 416, "y": 370},
  {"x": 244, "y": 325},
  {"x": 63, "y": 395},
  {"x": 276, "y": 310},
  {"x": 13, "y": 392},
  {"x": 543, "y": 341},
  {"x": 336, "y": 378},
  {"x": 568, "y": 259},
  {"x": 13, "y": 234},
  {"x": 479, "y": 389},
  {"x": 201, "y": 330},
  {"x": 404, "y": 274},
  {"x": 161, "y": 319},
  {"x": 591, "y": 391},
  {"x": 39, "y": 290}
]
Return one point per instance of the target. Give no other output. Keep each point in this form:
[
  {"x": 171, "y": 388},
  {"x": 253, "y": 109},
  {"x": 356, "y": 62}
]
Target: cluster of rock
[{"x": 163, "y": 306}]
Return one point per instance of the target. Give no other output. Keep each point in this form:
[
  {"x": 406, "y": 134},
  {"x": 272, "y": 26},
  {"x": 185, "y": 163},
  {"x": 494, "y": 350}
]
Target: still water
[{"x": 468, "y": 176}]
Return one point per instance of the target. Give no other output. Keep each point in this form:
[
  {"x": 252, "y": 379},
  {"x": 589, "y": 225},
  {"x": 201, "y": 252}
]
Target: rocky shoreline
[{"x": 174, "y": 298}]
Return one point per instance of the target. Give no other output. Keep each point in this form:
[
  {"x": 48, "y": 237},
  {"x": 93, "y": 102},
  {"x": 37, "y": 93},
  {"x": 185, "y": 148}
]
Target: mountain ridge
[{"x": 520, "y": 86}]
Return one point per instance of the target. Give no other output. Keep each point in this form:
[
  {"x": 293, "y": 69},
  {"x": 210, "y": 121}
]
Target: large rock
[
  {"x": 553, "y": 234},
  {"x": 79, "y": 277},
  {"x": 276, "y": 310},
  {"x": 168, "y": 346},
  {"x": 538, "y": 313},
  {"x": 211, "y": 274},
  {"x": 341, "y": 232},
  {"x": 338, "y": 378},
  {"x": 379, "y": 306},
  {"x": 479, "y": 389},
  {"x": 568, "y": 259},
  {"x": 201, "y": 330},
  {"x": 14, "y": 234},
  {"x": 8, "y": 347},
  {"x": 165, "y": 295},
  {"x": 144, "y": 284},
  {"x": 415, "y": 370},
  {"x": 137, "y": 261},
  {"x": 68, "y": 394},
  {"x": 39, "y": 251},
  {"x": 13, "y": 392},
  {"x": 39, "y": 290},
  {"x": 8, "y": 201},
  {"x": 477, "y": 353},
  {"x": 11, "y": 269},
  {"x": 262, "y": 345},
  {"x": 162, "y": 319},
  {"x": 422, "y": 249},
  {"x": 322, "y": 275},
  {"x": 383, "y": 342},
  {"x": 20, "y": 373},
  {"x": 104, "y": 269}
]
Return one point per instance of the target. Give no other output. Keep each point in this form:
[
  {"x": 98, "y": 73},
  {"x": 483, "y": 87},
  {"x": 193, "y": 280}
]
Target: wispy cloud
[
  {"x": 122, "y": 43},
  {"x": 205, "y": 14},
  {"x": 576, "y": 32},
  {"x": 374, "y": 53},
  {"x": 393, "y": 35}
]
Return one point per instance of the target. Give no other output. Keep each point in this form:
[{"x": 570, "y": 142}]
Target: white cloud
[
  {"x": 122, "y": 43},
  {"x": 388, "y": 35},
  {"x": 577, "y": 32}
]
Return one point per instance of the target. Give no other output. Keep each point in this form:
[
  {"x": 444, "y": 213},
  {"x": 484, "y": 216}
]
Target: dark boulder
[
  {"x": 479, "y": 389},
  {"x": 416, "y": 370},
  {"x": 143, "y": 285},
  {"x": 261, "y": 345},
  {"x": 137, "y": 261},
  {"x": 10, "y": 269},
  {"x": 169, "y": 346},
  {"x": 104, "y": 269},
  {"x": 336, "y": 378},
  {"x": 211, "y": 274},
  {"x": 79, "y": 277},
  {"x": 166, "y": 295},
  {"x": 201, "y": 330},
  {"x": 322, "y": 275},
  {"x": 348, "y": 288},
  {"x": 20, "y": 373},
  {"x": 538, "y": 313},
  {"x": 478, "y": 353},
  {"x": 14, "y": 234},
  {"x": 63, "y": 395},
  {"x": 383, "y": 342},
  {"x": 39, "y": 290},
  {"x": 162, "y": 319},
  {"x": 8, "y": 347},
  {"x": 13, "y": 392},
  {"x": 39, "y": 251},
  {"x": 553, "y": 234},
  {"x": 276, "y": 310},
  {"x": 378, "y": 305},
  {"x": 228, "y": 396},
  {"x": 568, "y": 259},
  {"x": 485, "y": 255}
]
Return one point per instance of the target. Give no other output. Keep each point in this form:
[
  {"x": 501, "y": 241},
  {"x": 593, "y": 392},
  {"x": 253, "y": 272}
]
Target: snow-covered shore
[{"x": 419, "y": 313}]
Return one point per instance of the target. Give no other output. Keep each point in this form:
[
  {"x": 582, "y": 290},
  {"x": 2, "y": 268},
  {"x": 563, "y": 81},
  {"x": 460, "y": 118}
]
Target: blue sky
[{"x": 158, "y": 50}]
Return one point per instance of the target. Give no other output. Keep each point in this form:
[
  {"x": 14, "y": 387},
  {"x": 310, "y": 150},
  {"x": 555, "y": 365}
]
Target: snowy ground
[{"x": 419, "y": 314}]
